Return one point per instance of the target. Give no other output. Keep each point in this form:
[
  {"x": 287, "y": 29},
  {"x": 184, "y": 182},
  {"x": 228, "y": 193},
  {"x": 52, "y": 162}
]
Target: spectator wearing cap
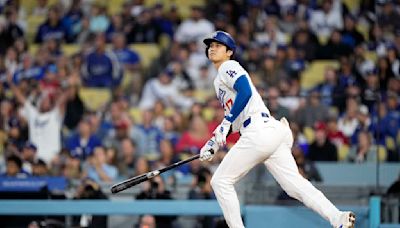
[
  {"x": 97, "y": 168},
  {"x": 83, "y": 142},
  {"x": 28, "y": 156},
  {"x": 364, "y": 123},
  {"x": 101, "y": 67},
  {"x": 162, "y": 88},
  {"x": 185, "y": 32},
  {"x": 288, "y": 24},
  {"x": 52, "y": 28},
  {"x": 370, "y": 91},
  {"x": 321, "y": 149}
]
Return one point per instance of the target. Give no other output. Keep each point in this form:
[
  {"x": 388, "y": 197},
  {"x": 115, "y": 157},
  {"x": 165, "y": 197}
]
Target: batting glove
[
  {"x": 208, "y": 150},
  {"x": 221, "y": 132}
]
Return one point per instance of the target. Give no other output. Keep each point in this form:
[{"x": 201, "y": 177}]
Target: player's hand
[
  {"x": 221, "y": 132},
  {"x": 208, "y": 150}
]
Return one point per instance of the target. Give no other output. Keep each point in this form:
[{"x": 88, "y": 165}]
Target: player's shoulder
[
  {"x": 230, "y": 64},
  {"x": 230, "y": 68}
]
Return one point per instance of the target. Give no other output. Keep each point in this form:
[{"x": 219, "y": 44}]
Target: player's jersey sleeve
[{"x": 230, "y": 71}]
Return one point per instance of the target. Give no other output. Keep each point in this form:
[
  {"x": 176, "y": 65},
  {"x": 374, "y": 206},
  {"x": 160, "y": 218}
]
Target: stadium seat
[
  {"x": 208, "y": 114},
  {"x": 136, "y": 114},
  {"x": 343, "y": 152},
  {"x": 33, "y": 23},
  {"x": 309, "y": 134},
  {"x": 390, "y": 143},
  {"x": 33, "y": 48},
  {"x": 70, "y": 49},
  {"x": 95, "y": 98},
  {"x": 382, "y": 154},
  {"x": 184, "y": 5},
  {"x": 314, "y": 73},
  {"x": 352, "y": 5},
  {"x": 115, "y": 6},
  {"x": 147, "y": 52}
]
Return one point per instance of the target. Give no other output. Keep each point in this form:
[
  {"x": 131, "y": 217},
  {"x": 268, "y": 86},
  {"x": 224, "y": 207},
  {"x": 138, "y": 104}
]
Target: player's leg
[
  {"x": 242, "y": 157},
  {"x": 282, "y": 166}
]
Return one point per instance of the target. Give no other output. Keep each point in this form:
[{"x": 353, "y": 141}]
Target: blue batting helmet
[{"x": 221, "y": 37}]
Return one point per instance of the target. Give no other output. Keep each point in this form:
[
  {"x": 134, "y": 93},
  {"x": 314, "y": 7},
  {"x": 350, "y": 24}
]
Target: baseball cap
[
  {"x": 14, "y": 122},
  {"x": 320, "y": 126},
  {"x": 30, "y": 145}
]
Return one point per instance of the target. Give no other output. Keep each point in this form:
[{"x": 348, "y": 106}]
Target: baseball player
[{"x": 263, "y": 139}]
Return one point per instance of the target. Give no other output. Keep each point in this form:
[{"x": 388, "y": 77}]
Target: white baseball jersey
[{"x": 228, "y": 73}]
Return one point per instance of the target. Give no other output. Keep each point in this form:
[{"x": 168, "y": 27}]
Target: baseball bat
[{"x": 149, "y": 175}]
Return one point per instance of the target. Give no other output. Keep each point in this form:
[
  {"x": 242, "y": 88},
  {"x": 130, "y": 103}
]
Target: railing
[{"x": 255, "y": 215}]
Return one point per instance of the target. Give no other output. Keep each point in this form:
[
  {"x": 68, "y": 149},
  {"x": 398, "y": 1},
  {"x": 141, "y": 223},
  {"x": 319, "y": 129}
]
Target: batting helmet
[{"x": 221, "y": 37}]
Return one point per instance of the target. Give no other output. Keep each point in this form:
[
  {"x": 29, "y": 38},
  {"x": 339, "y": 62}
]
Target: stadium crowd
[{"x": 166, "y": 111}]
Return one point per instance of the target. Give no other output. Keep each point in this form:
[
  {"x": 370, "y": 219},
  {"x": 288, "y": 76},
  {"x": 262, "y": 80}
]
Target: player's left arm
[{"x": 243, "y": 89}]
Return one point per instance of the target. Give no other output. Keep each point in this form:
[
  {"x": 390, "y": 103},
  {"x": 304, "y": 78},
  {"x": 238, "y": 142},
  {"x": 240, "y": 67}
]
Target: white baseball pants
[{"x": 271, "y": 144}]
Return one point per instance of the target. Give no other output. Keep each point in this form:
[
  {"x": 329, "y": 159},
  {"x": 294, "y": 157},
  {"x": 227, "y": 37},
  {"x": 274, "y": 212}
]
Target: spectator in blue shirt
[
  {"x": 129, "y": 59},
  {"x": 14, "y": 167},
  {"x": 101, "y": 67},
  {"x": 53, "y": 27},
  {"x": 83, "y": 142},
  {"x": 28, "y": 70},
  {"x": 97, "y": 169}
]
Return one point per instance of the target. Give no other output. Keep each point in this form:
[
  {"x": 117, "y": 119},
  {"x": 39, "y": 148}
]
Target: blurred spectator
[
  {"x": 335, "y": 135},
  {"x": 89, "y": 190},
  {"x": 293, "y": 64},
  {"x": 155, "y": 189},
  {"x": 97, "y": 169},
  {"x": 389, "y": 18},
  {"x": 322, "y": 149},
  {"x": 384, "y": 72},
  {"x": 160, "y": 19},
  {"x": 14, "y": 167},
  {"x": 272, "y": 73},
  {"x": 142, "y": 166},
  {"x": 44, "y": 122},
  {"x": 312, "y": 112},
  {"x": 162, "y": 88},
  {"x": 28, "y": 157},
  {"x": 167, "y": 158},
  {"x": 98, "y": 21},
  {"x": 274, "y": 107},
  {"x": 82, "y": 143},
  {"x": 127, "y": 158},
  {"x": 305, "y": 41},
  {"x": 185, "y": 32},
  {"x": 323, "y": 21},
  {"x": 330, "y": 90},
  {"x": 350, "y": 35},
  {"x": 335, "y": 48},
  {"x": 9, "y": 29},
  {"x": 41, "y": 8},
  {"x": 306, "y": 167},
  {"x": 170, "y": 131},
  {"x": 371, "y": 90},
  {"x": 144, "y": 28},
  {"x": 40, "y": 169},
  {"x": 53, "y": 27},
  {"x": 201, "y": 190},
  {"x": 147, "y": 136},
  {"x": 72, "y": 168},
  {"x": 72, "y": 18},
  {"x": 147, "y": 221},
  {"x": 75, "y": 108},
  {"x": 364, "y": 123},
  {"x": 101, "y": 67},
  {"x": 129, "y": 59},
  {"x": 365, "y": 150},
  {"x": 348, "y": 122},
  {"x": 11, "y": 60},
  {"x": 28, "y": 70},
  {"x": 195, "y": 137}
]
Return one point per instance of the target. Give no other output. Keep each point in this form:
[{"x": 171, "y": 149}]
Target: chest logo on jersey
[
  {"x": 221, "y": 96},
  {"x": 231, "y": 73}
]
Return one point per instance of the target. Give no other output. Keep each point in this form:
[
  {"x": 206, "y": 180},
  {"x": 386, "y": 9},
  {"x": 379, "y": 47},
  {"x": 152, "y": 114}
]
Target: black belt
[{"x": 248, "y": 121}]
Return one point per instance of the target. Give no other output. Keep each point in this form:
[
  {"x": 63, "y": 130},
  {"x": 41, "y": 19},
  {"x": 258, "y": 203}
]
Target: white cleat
[{"x": 347, "y": 220}]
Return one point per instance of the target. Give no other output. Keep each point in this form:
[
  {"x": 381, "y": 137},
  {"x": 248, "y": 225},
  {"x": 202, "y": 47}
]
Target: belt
[{"x": 248, "y": 120}]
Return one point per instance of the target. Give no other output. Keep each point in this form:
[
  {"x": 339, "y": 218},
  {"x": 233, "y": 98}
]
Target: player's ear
[{"x": 230, "y": 53}]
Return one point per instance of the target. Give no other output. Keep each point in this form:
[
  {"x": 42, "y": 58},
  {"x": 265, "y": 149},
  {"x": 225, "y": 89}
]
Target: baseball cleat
[{"x": 347, "y": 220}]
